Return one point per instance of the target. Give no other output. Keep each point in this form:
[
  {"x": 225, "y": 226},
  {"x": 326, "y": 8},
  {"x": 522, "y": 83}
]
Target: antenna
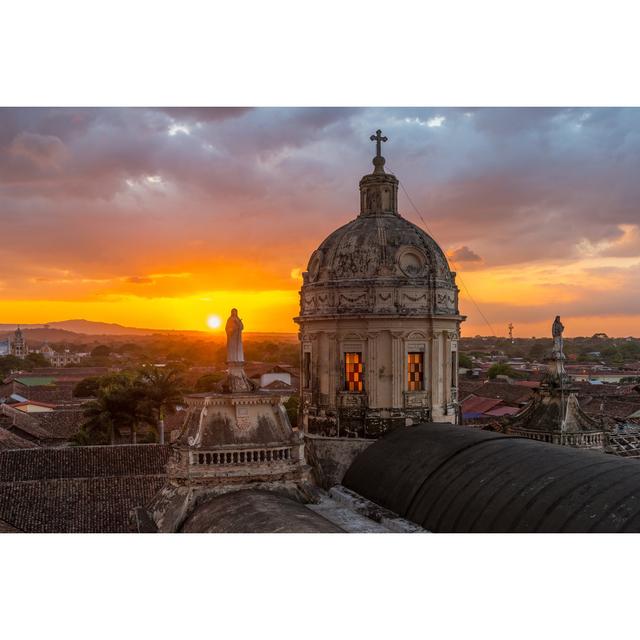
[{"x": 511, "y": 327}]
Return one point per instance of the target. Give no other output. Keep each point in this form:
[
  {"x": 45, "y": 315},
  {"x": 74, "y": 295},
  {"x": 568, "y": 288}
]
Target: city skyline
[{"x": 162, "y": 218}]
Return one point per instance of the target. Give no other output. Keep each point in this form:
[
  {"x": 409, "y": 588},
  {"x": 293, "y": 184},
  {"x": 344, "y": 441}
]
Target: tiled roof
[
  {"x": 510, "y": 393},
  {"x": 612, "y": 407},
  {"x": 476, "y": 404},
  {"x": 78, "y": 489},
  {"x": 467, "y": 387},
  {"x": 62, "y": 423},
  {"x": 31, "y": 429},
  {"x": 503, "y": 411},
  {"x": 278, "y": 384},
  {"x": 88, "y": 505},
  {"x": 83, "y": 462},
  {"x": 10, "y": 440},
  {"x": 5, "y": 527}
]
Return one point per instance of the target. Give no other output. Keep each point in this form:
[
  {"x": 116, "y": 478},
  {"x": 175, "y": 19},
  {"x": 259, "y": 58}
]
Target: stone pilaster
[
  {"x": 398, "y": 368},
  {"x": 371, "y": 375},
  {"x": 334, "y": 368},
  {"x": 437, "y": 398}
]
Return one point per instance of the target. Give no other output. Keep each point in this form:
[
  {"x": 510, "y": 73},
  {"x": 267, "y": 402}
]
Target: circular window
[{"x": 411, "y": 262}]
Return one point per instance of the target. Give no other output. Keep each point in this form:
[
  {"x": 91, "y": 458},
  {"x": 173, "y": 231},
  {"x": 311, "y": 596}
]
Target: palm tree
[
  {"x": 118, "y": 404},
  {"x": 163, "y": 391},
  {"x": 103, "y": 418}
]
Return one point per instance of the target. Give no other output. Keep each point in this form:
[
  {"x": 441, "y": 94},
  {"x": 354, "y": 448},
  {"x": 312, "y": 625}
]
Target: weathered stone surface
[
  {"x": 254, "y": 511},
  {"x": 331, "y": 457},
  {"x": 371, "y": 511}
]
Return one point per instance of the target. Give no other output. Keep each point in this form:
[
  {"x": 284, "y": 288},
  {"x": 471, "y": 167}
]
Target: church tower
[
  {"x": 19, "y": 344},
  {"x": 379, "y": 322}
]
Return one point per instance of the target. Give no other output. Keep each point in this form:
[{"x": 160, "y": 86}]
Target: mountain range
[{"x": 87, "y": 327}]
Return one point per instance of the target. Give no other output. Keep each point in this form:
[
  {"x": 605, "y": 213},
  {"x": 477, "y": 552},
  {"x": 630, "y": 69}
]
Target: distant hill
[
  {"x": 86, "y": 327},
  {"x": 89, "y": 327},
  {"x": 88, "y": 331}
]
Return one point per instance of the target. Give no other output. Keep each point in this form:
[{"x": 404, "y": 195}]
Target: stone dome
[
  {"x": 375, "y": 247},
  {"x": 378, "y": 263}
]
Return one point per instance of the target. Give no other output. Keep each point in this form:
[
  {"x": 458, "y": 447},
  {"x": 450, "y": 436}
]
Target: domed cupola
[
  {"x": 379, "y": 322},
  {"x": 380, "y": 251},
  {"x": 378, "y": 190}
]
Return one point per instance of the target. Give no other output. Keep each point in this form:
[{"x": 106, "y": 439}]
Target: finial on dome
[{"x": 378, "y": 161}]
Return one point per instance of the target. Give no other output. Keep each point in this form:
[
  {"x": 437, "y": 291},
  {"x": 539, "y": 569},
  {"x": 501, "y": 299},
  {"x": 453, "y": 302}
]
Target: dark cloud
[
  {"x": 109, "y": 192},
  {"x": 464, "y": 254}
]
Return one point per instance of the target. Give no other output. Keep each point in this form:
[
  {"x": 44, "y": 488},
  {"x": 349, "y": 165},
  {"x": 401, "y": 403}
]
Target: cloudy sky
[{"x": 163, "y": 217}]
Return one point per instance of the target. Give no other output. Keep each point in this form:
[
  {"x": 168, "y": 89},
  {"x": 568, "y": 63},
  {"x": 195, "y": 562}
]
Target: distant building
[
  {"x": 14, "y": 345},
  {"x": 58, "y": 359},
  {"x": 17, "y": 346},
  {"x": 33, "y": 406}
]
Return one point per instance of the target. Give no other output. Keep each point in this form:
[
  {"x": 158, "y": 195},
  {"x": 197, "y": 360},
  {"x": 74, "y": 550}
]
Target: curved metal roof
[{"x": 455, "y": 479}]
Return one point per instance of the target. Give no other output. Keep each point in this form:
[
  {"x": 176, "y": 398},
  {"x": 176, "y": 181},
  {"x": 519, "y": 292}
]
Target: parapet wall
[{"x": 331, "y": 457}]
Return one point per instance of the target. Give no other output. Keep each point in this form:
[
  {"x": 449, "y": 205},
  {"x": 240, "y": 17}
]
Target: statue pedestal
[
  {"x": 556, "y": 365},
  {"x": 236, "y": 380}
]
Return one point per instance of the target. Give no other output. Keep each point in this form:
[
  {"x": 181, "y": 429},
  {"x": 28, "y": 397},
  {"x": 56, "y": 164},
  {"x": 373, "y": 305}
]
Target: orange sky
[{"x": 161, "y": 218}]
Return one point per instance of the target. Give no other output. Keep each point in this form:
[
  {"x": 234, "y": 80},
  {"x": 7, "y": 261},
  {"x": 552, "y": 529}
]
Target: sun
[{"x": 214, "y": 322}]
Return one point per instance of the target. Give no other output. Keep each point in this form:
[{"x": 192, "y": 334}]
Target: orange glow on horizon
[{"x": 529, "y": 295}]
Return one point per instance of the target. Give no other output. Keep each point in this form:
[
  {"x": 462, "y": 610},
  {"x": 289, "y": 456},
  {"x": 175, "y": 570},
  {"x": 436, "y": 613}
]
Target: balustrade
[{"x": 243, "y": 456}]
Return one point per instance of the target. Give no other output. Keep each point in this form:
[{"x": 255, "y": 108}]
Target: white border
[{"x": 285, "y": 52}]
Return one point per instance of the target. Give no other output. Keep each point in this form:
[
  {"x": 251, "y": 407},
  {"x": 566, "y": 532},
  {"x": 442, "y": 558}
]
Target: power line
[{"x": 462, "y": 282}]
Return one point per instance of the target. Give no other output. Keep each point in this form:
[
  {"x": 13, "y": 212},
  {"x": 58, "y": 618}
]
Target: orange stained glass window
[
  {"x": 415, "y": 371},
  {"x": 354, "y": 372}
]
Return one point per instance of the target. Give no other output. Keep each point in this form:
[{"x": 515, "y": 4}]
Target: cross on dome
[
  {"x": 379, "y": 138},
  {"x": 378, "y": 161}
]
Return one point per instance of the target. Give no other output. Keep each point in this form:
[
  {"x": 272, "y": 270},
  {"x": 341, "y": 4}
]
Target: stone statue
[
  {"x": 233, "y": 329},
  {"x": 556, "y": 331}
]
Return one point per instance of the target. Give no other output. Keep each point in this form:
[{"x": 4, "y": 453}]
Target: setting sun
[{"x": 214, "y": 322}]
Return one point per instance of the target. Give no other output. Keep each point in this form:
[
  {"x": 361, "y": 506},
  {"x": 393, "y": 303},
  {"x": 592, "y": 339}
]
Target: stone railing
[
  {"x": 229, "y": 457},
  {"x": 585, "y": 440}
]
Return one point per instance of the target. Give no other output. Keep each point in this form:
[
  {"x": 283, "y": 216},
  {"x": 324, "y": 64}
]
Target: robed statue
[
  {"x": 234, "y": 329},
  {"x": 556, "y": 331}
]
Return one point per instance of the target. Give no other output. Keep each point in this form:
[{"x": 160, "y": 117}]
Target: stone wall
[{"x": 331, "y": 457}]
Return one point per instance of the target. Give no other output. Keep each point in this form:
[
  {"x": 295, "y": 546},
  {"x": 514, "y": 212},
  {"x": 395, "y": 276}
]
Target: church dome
[
  {"x": 374, "y": 247},
  {"x": 378, "y": 263}
]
